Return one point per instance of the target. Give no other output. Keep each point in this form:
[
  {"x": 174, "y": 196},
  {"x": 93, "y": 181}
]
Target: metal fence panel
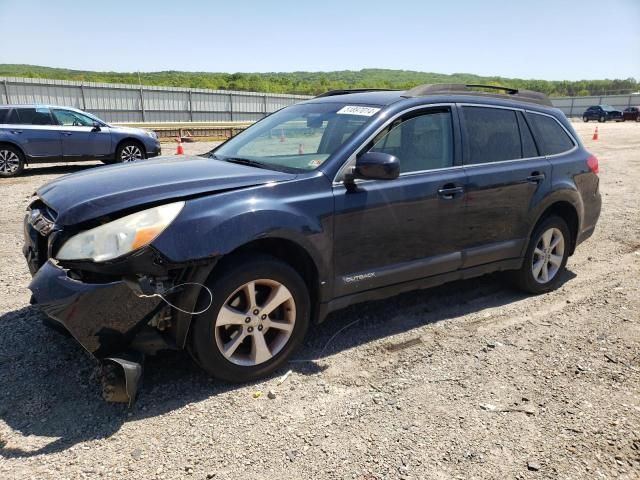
[{"x": 133, "y": 103}]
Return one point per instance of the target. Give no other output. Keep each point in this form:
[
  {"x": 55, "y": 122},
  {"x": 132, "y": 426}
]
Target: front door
[
  {"x": 392, "y": 231},
  {"x": 80, "y": 140}
]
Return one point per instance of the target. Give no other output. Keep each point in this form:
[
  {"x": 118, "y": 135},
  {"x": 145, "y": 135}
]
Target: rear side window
[
  {"x": 551, "y": 137},
  {"x": 34, "y": 116},
  {"x": 493, "y": 135},
  {"x": 4, "y": 113}
]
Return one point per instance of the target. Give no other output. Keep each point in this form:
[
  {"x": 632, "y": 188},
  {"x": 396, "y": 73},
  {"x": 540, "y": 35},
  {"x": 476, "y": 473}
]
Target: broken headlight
[{"x": 120, "y": 236}]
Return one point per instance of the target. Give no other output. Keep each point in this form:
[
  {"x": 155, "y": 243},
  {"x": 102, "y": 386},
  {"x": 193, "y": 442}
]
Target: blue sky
[{"x": 553, "y": 40}]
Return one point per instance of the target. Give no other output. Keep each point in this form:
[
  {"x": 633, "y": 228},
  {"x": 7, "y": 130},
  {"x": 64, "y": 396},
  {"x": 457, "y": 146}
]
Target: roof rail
[
  {"x": 528, "y": 96},
  {"x": 332, "y": 93}
]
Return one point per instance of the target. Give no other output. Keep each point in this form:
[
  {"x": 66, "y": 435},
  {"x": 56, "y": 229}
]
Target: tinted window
[
  {"x": 528, "y": 145},
  {"x": 4, "y": 113},
  {"x": 551, "y": 137},
  {"x": 34, "y": 116},
  {"x": 423, "y": 142},
  {"x": 492, "y": 135}
]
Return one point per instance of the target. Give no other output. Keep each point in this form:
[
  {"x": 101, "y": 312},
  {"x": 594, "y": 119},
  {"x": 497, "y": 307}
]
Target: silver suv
[{"x": 43, "y": 133}]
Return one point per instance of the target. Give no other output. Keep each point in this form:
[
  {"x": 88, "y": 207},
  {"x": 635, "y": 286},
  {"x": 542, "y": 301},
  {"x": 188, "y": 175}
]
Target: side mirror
[
  {"x": 377, "y": 166},
  {"x": 96, "y": 127}
]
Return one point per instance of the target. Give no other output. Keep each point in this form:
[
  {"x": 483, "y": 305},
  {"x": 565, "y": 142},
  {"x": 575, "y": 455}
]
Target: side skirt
[{"x": 422, "y": 283}]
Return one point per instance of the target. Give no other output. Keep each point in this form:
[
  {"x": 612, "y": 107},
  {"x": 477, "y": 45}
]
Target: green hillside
[{"x": 317, "y": 82}]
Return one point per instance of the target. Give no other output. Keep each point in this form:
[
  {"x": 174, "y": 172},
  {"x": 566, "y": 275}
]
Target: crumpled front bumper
[{"x": 103, "y": 317}]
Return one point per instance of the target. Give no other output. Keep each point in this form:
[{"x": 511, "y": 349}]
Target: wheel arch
[
  {"x": 25, "y": 158},
  {"x": 290, "y": 252},
  {"x": 569, "y": 213},
  {"x": 135, "y": 140}
]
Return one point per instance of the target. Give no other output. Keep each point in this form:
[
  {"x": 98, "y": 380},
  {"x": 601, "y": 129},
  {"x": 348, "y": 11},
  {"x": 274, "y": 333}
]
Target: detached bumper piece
[{"x": 104, "y": 318}]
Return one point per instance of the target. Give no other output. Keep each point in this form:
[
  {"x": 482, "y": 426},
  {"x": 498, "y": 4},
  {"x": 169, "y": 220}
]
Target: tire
[
  {"x": 230, "y": 286},
  {"x": 602, "y": 119},
  {"x": 585, "y": 119},
  {"x": 11, "y": 161},
  {"x": 530, "y": 277},
  {"x": 130, "y": 151}
]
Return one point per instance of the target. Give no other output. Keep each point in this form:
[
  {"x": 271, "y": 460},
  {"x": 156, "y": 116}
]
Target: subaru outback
[
  {"x": 40, "y": 133},
  {"x": 344, "y": 198}
]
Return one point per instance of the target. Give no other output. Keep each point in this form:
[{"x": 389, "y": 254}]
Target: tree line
[{"x": 313, "y": 83}]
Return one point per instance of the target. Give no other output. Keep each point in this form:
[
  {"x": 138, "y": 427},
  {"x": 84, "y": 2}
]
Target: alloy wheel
[
  {"x": 255, "y": 322},
  {"x": 9, "y": 162},
  {"x": 548, "y": 255},
  {"x": 131, "y": 153}
]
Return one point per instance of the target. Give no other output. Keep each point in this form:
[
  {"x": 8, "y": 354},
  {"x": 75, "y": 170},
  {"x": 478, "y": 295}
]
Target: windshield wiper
[{"x": 246, "y": 161}]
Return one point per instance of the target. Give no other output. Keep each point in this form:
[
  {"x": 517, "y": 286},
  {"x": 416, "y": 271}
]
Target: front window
[
  {"x": 73, "y": 119},
  {"x": 297, "y": 138}
]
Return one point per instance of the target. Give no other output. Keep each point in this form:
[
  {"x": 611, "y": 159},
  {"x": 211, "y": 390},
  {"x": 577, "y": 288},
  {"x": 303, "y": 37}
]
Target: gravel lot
[{"x": 468, "y": 380}]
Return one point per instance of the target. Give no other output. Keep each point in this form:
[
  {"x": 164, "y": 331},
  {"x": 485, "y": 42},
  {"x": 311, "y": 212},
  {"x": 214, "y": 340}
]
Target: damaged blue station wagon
[{"x": 344, "y": 198}]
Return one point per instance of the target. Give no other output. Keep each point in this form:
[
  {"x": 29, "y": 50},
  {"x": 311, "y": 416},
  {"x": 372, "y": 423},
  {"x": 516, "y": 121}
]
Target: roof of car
[
  {"x": 32, "y": 105},
  {"x": 436, "y": 92}
]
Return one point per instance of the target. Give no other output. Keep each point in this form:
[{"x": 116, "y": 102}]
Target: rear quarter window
[{"x": 551, "y": 137}]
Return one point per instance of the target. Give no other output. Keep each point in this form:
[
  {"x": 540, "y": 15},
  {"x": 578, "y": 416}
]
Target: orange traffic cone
[
  {"x": 282, "y": 137},
  {"x": 595, "y": 134},
  {"x": 300, "y": 150},
  {"x": 179, "y": 150}
]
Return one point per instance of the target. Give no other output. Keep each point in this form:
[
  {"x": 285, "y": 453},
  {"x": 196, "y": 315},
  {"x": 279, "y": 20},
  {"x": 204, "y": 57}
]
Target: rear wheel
[
  {"x": 546, "y": 256},
  {"x": 259, "y": 316},
  {"x": 11, "y": 161},
  {"x": 130, "y": 152}
]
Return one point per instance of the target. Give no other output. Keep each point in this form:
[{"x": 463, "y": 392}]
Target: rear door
[
  {"x": 507, "y": 175},
  {"x": 39, "y": 138},
  {"x": 393, "y": 231},
  {"x": 80, "y": 139}
]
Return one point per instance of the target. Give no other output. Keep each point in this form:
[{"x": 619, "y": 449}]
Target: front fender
[{"x": 216, "y": 225}]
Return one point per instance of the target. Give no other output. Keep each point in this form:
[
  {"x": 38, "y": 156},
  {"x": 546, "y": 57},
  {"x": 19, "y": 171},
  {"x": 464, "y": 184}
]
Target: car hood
[{"x": 104, "y": 190}]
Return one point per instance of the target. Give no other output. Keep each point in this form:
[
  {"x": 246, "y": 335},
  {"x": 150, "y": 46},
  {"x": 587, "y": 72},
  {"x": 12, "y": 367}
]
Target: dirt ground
[{"x": 468, "y": 380}]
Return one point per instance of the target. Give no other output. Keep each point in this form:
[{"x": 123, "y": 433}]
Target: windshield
[
  {"x": 297, "y": 138},
  {"x": 607, "y": 108}
]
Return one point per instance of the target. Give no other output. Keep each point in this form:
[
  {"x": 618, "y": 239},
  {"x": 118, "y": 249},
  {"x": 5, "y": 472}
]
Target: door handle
[
  {"x": 68, "y": 134},
  {"x": 448, "y": 191},
  {"x": 16, "y": 132},
  {"x": 535, "y": 177}
]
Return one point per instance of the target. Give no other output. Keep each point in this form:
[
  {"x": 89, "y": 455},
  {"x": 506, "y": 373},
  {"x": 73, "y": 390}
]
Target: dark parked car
[
  {"x": 631, "y": 113},
  {"x": 42, "y": 133},
  {"x": 602, "y": 113},
  {"x": 345, "y": 198}
]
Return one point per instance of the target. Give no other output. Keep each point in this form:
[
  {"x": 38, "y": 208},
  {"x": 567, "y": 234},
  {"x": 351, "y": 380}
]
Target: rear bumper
[{"x": 103, "y": 318}]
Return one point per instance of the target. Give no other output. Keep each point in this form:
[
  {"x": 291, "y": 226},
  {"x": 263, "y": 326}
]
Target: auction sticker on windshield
[{"x": 358, "y": 110}]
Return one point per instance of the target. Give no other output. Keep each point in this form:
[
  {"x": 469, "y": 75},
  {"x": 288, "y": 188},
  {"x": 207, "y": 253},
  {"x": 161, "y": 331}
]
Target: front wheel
[
  {"x": 602, "y": 119},
  {"x": 546, "y": 257},
  {"x": 585, "y": 119},
  {"x": 259, "y": 316},
  {"x": 130, "y": 152},
  {"x": 11, "y": 161}
]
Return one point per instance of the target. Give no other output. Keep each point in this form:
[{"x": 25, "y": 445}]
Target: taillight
[{"x": 592, "y": 163}]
